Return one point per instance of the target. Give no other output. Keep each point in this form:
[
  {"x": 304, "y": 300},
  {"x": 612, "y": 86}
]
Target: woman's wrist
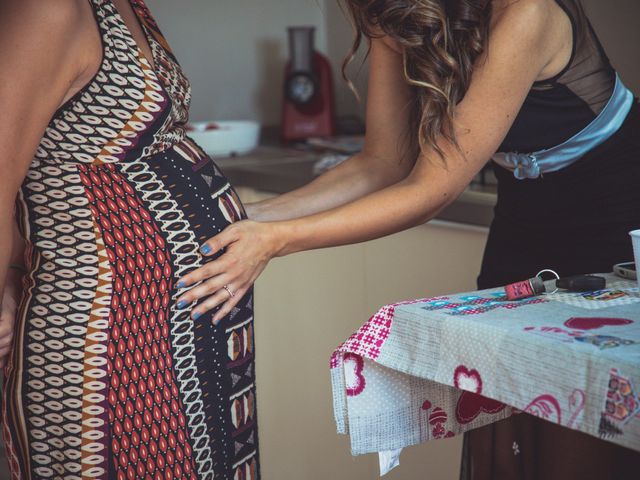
[
  {"x": 259, "y": 211},
  {"x": 281, "y": 238},
  {"x": 270, "y": 210},
  {"x": 252, "y": 211}
]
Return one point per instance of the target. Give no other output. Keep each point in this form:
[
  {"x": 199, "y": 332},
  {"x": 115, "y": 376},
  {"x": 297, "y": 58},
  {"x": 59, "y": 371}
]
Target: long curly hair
[{"x": 440, "y": 40}]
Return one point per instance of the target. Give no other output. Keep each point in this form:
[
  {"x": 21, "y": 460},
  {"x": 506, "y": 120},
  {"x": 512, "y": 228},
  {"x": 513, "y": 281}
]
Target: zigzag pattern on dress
[
  {"x": 184, "y": 250},
  {"x": 88, "y": 131},
  {"x": 145, "y": 406},
  {"x": 95, "y": 127},
  {"x": 60, "y": 306},
  {"x": 246, "y": 469},
  {"x": 166, "y": 137},
  {"x": 13, "y": 419},
  {"x": 82, "y": 333},
  {"x": 95, "y": 431}
]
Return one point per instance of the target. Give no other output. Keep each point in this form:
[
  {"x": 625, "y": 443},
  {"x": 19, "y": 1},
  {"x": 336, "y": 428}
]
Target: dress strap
[{"x": 101, "y": 12}]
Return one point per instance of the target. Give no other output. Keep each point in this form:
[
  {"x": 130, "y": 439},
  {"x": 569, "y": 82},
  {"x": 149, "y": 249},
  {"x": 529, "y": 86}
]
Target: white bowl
[{"x": 225, "y": 138}]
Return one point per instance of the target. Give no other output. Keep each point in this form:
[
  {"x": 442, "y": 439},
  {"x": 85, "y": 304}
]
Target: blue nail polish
[
  {"x": 182, "y": 304},
  {"x": 205, "y": 249},
  {"x": 181, "y": 284},
  {"x": 196, "y": 315}
]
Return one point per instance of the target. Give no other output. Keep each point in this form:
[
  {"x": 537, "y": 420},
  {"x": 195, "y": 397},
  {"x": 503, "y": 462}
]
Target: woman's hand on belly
[{"x": 249, "y": 246}]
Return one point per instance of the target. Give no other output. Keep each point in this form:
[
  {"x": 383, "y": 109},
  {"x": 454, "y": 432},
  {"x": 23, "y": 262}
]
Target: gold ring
[{"x": 231, "y": 294}]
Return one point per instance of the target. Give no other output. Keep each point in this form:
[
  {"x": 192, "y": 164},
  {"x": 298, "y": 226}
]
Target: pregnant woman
[
  {"x": 109, "y": 376},
  {"x": 452, "y": 83}
]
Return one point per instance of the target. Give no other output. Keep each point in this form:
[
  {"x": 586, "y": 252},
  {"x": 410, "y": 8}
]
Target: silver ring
[
  {"x": 231, "y": 294},
  {"x": 552, "y": 273}
]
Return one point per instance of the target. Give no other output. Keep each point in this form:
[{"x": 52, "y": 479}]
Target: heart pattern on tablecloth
[
  {"x": 437, "y": 420},
  {"x": 353, "y": 374},
  {"x": 471, "y": 403},
  {"x": 593, "y": 323},
  {"x": 468, "y": 380},
  {"x": 546, "y": 407}
]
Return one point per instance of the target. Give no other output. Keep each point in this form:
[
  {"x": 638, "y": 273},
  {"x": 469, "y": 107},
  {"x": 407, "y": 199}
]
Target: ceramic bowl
[{"x": 225, "y": 138}]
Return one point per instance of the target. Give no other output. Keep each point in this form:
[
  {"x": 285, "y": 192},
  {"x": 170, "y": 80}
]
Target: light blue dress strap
[{"x": 608, "y": 122}]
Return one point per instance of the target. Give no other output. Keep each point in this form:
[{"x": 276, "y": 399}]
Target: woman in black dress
[{"x": 452, "y": 83}]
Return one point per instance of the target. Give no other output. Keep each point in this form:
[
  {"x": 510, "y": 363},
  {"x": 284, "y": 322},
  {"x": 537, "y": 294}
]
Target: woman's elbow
[
  {"x": 432, "y": 195},
  {"x": 385, "y": 172}
]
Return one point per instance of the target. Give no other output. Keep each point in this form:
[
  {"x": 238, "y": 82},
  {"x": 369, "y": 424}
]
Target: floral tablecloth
[{"x": 437, "y": 367}]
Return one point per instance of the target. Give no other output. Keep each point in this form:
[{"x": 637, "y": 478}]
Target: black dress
[{"x": 576, "y": 220}]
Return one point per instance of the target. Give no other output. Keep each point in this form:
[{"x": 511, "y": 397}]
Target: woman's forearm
[
  {"x": 249, "y": 245},
  {"x": 354, "y": 178},
  {"x": 403, "y": 205}
]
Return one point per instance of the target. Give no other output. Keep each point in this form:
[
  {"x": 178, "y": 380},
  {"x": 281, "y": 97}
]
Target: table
[{"x": 437, "y": 367}]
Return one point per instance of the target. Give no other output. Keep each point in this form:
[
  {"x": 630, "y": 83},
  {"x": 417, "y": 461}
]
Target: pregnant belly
[
  {"x": 150, "y": 216},
  {"x": 193, "y": 188}
]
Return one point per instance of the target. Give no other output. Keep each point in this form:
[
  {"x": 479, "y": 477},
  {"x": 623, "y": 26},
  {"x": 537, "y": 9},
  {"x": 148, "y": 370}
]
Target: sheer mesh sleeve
[{"x": 561, "y": 106}]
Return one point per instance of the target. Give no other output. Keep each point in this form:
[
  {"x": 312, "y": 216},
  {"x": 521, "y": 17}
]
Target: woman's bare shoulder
[
  {"x": 47, "y": 30},
  {"x": 50, "y": 16},
  {"x": 537, "y": 28},
  {"x": 524, "y": 17}
]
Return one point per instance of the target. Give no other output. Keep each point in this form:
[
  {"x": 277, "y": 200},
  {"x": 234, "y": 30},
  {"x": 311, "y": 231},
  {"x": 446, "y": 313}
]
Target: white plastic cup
[{"x": 635, "y": 237}]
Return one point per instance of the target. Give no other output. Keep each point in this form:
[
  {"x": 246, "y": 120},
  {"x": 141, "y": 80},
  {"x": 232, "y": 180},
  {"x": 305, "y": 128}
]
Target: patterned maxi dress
[{"x": 108, "y": 377}]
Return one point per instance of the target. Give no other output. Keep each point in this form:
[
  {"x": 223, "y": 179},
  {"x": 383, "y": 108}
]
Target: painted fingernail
[
  {"x": 196, "y": 315},
  {"x": 182, "y": 304},
  {"x": 205, "y": 249},
  {"x": 181, "y": 284}
]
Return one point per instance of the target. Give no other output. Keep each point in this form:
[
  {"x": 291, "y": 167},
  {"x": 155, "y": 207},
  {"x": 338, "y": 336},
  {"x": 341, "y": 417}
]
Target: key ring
[{"x": 552, "y": 272}]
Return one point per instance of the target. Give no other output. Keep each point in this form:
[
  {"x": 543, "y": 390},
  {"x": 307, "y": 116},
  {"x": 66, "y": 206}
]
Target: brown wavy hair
[{"x": 440, "y": 40}]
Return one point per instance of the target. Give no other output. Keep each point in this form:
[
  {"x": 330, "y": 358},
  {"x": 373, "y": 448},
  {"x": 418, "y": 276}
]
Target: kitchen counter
[{"x": 278, "y": 170}]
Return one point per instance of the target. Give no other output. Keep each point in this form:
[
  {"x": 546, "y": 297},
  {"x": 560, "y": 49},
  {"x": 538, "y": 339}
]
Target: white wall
[
  {"x": 616, "y": 22},
  {"x": 234, "y": 50}
]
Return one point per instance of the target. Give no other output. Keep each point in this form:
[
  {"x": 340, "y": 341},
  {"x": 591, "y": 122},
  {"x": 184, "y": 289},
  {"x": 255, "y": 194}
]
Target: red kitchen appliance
[{"x": 308, "y": 104}]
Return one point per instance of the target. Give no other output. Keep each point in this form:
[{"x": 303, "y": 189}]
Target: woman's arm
[
  {"x": 519, "y": 50},
  {"x": 42, "y": 56},
  {"x": 387, "y": 156}
]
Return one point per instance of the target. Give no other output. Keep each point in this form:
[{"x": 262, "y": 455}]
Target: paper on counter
[
  {"x": 328, "y": 162},
  {"x": 389, "y": 460}
]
